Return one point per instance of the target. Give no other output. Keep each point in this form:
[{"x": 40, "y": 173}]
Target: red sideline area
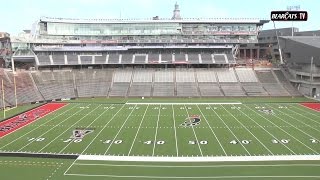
[
  {"x": 17, "y": 122},
  {"x": 313, "y": 106}
]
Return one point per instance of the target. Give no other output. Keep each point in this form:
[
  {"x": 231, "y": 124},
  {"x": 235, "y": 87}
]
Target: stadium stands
[
  {"x": 206, "y": 58},
  {"x": 209, "y": 89},
  {"x": 127, "y": 58},
  {"x": 226, "y": 75},
  {"x": 86, "y": 59},
  {"x": 113, "y": 58},
  {"x": 166, "y": 57},
  {"x": 220, "y": 58},
  {"x": 72, "y": 59},
  {"x": 266, "y": 76},
  {"x": 286, "y": 84},
  {"x": 246, "y": 75},
  {"x": 180, "y": 82},
  {"x": 100, "y": 59},
  {"x": 193, "y": 58},
  {"x": 153, "y": 58},
  {"x": 140, "y": 58},
  {"x": 44, "y": 59},
  {"x": 58, "y": 59},
  {"x": 162, "y": 89}
]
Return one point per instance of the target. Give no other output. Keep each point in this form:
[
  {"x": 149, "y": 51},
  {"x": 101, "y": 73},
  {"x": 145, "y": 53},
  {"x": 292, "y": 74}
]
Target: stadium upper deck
[{"x": 195, "y": 41}]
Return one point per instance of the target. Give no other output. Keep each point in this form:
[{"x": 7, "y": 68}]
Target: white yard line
[
  {"x": 69, "y": 127},
  {"x": 119, "y": 130},
  {"x": 199, "y": 166},
  {"x": 135, "y": 137},
  {"x": 282, "y": 130},
  {"x": 305, "y": 116},
  {"x": 296, "y": 120},
  {"x": 87, "y": 127},
  {"x": 230, "y": 130},
  {"x": 102, "y": 129},
  {"x": 175, "y": 130},
  {"x": 267, "y": 131},
  {"x": 301, "y": 121},
  {"x": 69, "y": 167},
  {"x": 186, "y": 103},
  {"x": 248, "y": 130},
  {"x": 39, "y": 125},
  {"x": 155, "y": 136},
  {"x": 212, "y": 130},
  {"x": 194, "y": 132},
  {"x": 201, "y": 159},
  {"x": 187, "y": 177}
]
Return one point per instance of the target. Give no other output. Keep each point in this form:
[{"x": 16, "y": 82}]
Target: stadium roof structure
[
  {"x": 162, "y": 20},
  {"x": 308, "y": 40}
]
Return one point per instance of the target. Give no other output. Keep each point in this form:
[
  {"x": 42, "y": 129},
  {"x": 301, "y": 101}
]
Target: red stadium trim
[
  {"x": 313, "y": 106},
  {"x": 17, "y": 122}
]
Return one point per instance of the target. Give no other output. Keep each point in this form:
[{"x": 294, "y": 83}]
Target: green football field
[{"x": 168, "y": 140}]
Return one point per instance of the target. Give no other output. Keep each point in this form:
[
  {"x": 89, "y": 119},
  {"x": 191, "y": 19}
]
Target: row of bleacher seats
[
  {"x": 47, "y": 85},
  {"x": 130, "y": 58}
]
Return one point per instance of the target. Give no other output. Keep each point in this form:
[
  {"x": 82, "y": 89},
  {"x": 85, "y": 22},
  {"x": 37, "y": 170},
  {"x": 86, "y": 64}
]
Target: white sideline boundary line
[
  {"x": 231, "y": 103},
  {"x": 201, "y": 159}
]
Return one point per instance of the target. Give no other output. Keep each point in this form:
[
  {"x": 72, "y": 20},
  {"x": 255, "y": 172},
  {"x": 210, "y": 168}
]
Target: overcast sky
[{"x": 17, "y": 15}]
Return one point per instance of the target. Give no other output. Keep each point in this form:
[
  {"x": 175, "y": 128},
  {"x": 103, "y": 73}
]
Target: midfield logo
[
  {"x": 79, "y": 133},
  {"x": 193, "y": 120},
  {"x": 289, "y": 16},
  {"x": 267, "y": 111}
]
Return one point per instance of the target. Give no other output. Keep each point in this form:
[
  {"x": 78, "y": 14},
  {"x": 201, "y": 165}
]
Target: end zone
[{"x": 10, "y": 125}]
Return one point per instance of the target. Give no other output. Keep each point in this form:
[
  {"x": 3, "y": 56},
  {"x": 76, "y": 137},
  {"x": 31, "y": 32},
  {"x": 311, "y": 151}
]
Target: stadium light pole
[
  {"x": 293, "y": 8},
  {"x": 279, "y": 47}
]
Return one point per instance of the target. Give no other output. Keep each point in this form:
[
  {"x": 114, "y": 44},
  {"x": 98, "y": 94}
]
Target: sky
[{"x": 17, "y": 15}]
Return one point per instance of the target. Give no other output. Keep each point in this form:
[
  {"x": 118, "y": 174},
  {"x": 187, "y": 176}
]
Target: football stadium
[{"x": 175, "y": 98}]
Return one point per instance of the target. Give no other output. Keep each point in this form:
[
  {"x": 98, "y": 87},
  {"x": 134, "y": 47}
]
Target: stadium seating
[
  {"x": 126, "y": 58},
  {"x": 220, "y": 58},
  {"x": 180, "y": 57},
  {"x": 44, "y": 59},
  {"x": 93, "y": 83},
  {"x": 266, "y": 76},
  {"x": 140, "y": 89},
  {"x": 163, "y": 75},
  {"x": 206, "y": 58},
  {"x": 153, "y": 58},
  {"x": 246, "y": 75},
  {"x": 226, "y": 75},
  {"x": 187, "y": 89},
  {"x": 72, "y": 59},
  {"x": 185, "y": 75},
  {"x": 231, "y": 59},
  {"x": 254, "y": 89},
  {"x": 100, "y": 59},
  {"x": 205, "y": 75},
  {"x": 119, "y": 89},
  {"x": 232, "y": 90},
  {"x": 142, "y": 75},
  {"x": 86, "y": 59},
  {"x": 165, "y": 57},
  {"x": 193, "y": 58},
  {"x": 58, "y": 59},
  {"x": 122, "y": 75},
  {"x": 140, "y": 59},
  {"x": 182, "y": 82},
  {"x": 55, "y": 85},
  {"x": 163, "y": 89},
  {"x": 210, "y": 89},
  {"x": 286, "y": 84},
  {"x": 113, "y": 59}
]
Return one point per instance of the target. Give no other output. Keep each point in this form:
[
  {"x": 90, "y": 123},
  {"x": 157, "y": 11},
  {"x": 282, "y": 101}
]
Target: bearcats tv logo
[{"x": 193, "y": 120}]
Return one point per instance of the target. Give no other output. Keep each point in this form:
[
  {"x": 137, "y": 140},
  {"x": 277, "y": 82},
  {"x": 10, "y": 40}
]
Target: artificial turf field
[{"x": 195, "y": 131}]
